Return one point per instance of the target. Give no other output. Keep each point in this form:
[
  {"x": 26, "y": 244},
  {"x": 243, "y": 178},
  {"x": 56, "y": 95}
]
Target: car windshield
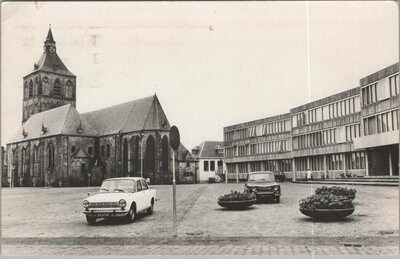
[
  {"x": 262, "y": 177},
  {"x": 118, "y": 186}
]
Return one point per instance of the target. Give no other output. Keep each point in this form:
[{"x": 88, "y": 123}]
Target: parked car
[
  {"x": 120, "y": 198},
  {"x": 214, "y": 179},
  {"x": 263, "y": 184}
]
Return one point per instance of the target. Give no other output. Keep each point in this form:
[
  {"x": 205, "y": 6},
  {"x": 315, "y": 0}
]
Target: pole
[
  {"x": 174, "y": 193},
  {"x": 141, "y": 156}
]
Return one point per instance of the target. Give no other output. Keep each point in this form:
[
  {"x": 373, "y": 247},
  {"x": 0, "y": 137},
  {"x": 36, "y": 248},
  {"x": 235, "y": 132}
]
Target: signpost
[{"x": 174, "y": 141}]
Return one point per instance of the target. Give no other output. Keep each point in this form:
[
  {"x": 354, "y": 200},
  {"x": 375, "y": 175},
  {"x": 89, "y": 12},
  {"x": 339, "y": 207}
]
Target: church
[{"x": 58, "y": 146}]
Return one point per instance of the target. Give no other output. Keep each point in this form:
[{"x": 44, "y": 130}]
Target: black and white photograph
[{"x": 200, "y": 128}]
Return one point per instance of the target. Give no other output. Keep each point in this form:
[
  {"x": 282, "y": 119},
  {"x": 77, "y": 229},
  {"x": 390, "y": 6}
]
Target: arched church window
[
  {"x": 50, "y": 155},
  {"x": 30, "y": 88},
  {"x": 108, "y": 150},
  {"x": 36, "y": 89},
  {"x": 57, "y": 88},
  {"x": 69, "y": 85},
  {"x": 36, "y": 154},
  {"x": 25, "y": 89},
  {"x": 90, "y": 150}
]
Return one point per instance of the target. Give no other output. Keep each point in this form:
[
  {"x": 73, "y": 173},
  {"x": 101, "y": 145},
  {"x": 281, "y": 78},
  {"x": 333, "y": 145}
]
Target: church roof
[
  {"x": 63, "y": 120},
  {"x": 50, "y": 61},
  {"x": 137, "y": 115}
]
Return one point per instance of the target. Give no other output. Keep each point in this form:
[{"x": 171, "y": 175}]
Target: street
[{"x": 49, "y": 221}]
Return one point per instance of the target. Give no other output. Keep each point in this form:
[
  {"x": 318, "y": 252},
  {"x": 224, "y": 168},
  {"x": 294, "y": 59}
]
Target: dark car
[{"x": 263, "y": 184}]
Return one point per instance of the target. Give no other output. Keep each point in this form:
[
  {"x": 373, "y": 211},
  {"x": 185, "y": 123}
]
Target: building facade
[
  {"x": 350, "y": 134},
  {"x": 210, "y": 158},
  {"x": 58, "y": 146},
  {"x": 258, "y": 145}
]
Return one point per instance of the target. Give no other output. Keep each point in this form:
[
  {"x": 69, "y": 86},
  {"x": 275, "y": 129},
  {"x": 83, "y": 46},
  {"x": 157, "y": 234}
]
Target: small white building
[{"x": 210, "y": 158}]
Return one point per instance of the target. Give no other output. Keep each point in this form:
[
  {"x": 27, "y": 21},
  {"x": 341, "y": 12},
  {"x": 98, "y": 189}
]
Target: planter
[
  {"x": 327, "y": 214},
  {"x": 237, "y": 205}
]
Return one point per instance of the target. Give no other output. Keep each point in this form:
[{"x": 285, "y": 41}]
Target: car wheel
[
  {"x": 151, "y": 209},
  {"x": 131, "y": 214},
  {"x": 90, "y": 220}
]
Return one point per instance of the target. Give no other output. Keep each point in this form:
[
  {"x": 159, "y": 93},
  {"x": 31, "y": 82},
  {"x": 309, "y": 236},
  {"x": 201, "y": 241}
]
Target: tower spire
[
  {"x": 49, "y": 37},
  {"x": 49, "y": 43}
]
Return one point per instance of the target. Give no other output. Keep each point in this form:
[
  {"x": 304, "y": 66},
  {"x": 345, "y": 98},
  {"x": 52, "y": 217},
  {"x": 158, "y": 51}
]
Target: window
[
  {"x": 369, "y": 94},
  {"x": 139, "y": 186},
  {"x": 102, "y": 150},
  {"x": 30, "y": 89},
  {"x": 395, "y": 120},
  {"x": 144, "y": 185},
  {"x": 50, "y": 155},
  {"x": 90, "y": 150},
  {"x": 57, "y": 87},
  {"x": 73, "y": 149},
  {"x": 108, "y": 150},
  {"x": 206, "y": 166},
  {"x": 394, "y": 85},
  {"x": 36, "y": 154}
]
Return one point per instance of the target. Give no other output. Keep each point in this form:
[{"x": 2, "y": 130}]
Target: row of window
[
  {"x": 210, "y": 165},
  {"x": 327, "y": 112},
  {"x": 354, "y": 160},
  {"x": 315, "y": 139},
  {"x": 57, "y": 87},
  {"x": 284, "y": 165},
  {"x": 380, "y": 90},
  {"x": 387, "y": 121},
  {"x": 258, "y": 130},
  {"x": 258, "y": 148},
  {"x": 353, "y": 131},
  {"x": 369, "y": 94},
  {"x": 26, "y": 155}
]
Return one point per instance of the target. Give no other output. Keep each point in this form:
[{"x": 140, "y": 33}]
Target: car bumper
[
  {"x": 106, "y": 213},
  {"x": 264, "y": 195}
]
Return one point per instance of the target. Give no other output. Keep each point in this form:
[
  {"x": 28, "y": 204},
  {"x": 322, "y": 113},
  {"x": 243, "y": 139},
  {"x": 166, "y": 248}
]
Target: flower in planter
[
  {"x": 335, "y": 190},
  {"x": 326, "y": 201},
  {"x": 237, "y": 196}
]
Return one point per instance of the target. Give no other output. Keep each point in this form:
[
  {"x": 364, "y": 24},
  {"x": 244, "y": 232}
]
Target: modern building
[
  {"x": 258, "y": 145},
  {"x": 350, "y": 134},
  {"x": 210, "y": 158},
  {"x": 56, "y": 145},
  {"x": 380, "y": 121}
]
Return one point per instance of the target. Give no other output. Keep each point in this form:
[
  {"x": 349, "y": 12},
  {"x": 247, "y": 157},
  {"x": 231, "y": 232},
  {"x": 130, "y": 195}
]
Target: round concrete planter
[
  {"x": 327, "y": 214},
  {"x": 236, "y": 205}
]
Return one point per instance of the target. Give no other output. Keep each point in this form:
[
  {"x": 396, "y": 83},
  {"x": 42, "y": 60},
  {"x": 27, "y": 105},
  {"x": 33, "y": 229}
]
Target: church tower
[{"x": 50, "y": 84}]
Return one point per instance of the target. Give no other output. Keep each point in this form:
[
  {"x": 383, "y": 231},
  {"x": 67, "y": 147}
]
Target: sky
[{"x": 211, "y": 64}]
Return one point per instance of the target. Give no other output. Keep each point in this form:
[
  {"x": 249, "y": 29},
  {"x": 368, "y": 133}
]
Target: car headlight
[
  {"x": 122, "y": 203},
  {"x": 86, "y": 204},
  {"x": 276, "y": 188}
]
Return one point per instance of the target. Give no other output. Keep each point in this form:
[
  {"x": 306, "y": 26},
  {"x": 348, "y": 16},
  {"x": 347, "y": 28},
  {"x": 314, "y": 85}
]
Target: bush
[
  {"x": 326, "y": 201},
  {"x": 237, "y": 196},
  {"x": 335, "y": 190}
]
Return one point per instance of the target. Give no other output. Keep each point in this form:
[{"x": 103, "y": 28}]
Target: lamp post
[{"x": 141, "y": 154}]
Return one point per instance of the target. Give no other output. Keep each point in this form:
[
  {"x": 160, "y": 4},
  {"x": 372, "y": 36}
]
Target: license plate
[{"x": 102, "y": 214}]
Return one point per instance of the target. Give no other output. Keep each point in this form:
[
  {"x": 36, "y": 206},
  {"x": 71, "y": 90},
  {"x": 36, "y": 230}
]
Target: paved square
[{"x": 49, "y": 221}]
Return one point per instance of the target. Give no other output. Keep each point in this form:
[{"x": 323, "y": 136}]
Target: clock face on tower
[{"x": 52, "y": 49}]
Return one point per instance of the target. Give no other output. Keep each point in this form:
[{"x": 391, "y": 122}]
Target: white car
[{"x": 120, "y": 197}]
